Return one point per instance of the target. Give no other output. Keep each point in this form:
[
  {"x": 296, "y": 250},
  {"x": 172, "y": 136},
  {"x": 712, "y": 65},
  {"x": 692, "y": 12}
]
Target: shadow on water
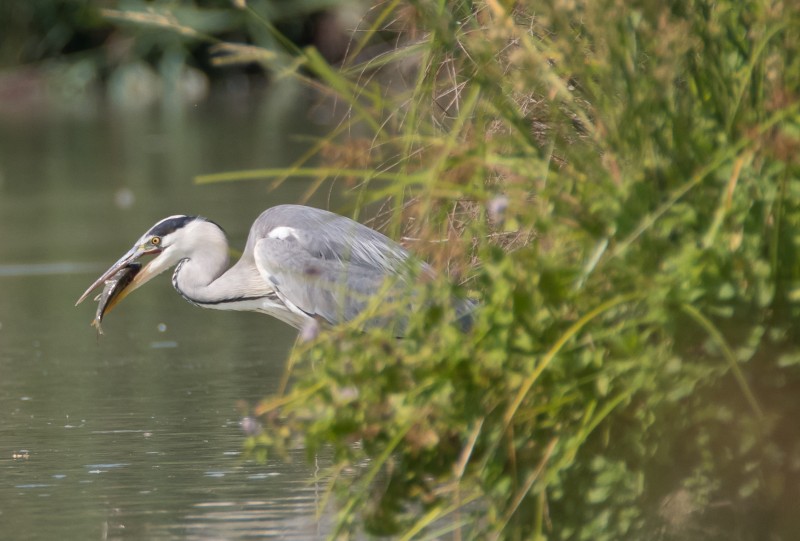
[{"x": 136, "y": 433}]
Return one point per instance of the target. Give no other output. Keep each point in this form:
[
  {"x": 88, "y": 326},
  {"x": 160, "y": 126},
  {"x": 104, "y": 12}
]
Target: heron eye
[{"x": 155, "y": 241}]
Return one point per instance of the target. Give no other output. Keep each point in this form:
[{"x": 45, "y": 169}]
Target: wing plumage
[{"x": 322, "y": 264}]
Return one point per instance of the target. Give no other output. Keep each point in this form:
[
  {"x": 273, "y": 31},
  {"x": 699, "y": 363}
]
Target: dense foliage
[{"x": 617, "y": 183}]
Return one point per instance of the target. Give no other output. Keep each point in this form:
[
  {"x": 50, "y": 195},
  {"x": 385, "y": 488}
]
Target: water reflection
[{"x": 136, "y": 434}]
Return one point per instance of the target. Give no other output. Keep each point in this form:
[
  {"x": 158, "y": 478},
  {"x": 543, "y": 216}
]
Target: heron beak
[
  {"x": 132, "y": 255},
  {"x": 147, "y": 273}
]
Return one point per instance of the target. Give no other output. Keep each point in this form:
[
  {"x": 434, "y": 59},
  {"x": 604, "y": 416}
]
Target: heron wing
[
  {"x": 333, "y": 288},
  {"x": 328, "y": 236}
]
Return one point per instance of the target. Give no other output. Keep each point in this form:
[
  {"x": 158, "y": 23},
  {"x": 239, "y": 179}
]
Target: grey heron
[{"x": 300, "y": 264}]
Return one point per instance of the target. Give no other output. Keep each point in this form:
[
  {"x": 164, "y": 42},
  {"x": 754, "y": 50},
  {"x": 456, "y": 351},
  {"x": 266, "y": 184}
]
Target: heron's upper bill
[{"x": 126, "y": 260}]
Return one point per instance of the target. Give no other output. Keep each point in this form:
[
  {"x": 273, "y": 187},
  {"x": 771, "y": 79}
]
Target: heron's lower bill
[{"x": 112, "y": 292}]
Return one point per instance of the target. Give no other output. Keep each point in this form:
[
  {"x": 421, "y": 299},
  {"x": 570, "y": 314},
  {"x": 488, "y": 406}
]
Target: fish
[{"x": 112, "y": 288}]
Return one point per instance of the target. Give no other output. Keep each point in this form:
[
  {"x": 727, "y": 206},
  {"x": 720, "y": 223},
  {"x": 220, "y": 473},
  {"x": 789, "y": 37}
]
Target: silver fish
[{"x": 111, "y": 292}]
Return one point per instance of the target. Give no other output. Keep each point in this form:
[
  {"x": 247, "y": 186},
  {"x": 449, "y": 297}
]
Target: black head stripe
[{"x": 170, "y": 225}]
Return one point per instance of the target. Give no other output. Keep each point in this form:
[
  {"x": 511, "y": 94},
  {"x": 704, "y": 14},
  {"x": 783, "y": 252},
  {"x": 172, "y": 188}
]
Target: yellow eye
[{"x": 155, "y": 241}]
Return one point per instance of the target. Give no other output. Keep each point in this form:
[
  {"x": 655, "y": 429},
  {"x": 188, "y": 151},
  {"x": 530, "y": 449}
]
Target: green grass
[{"x": 633, "y": 370}]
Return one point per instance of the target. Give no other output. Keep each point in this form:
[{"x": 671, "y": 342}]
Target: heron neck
[
  {"x": 205, "y": 280},
  {"x": 195, "y": 275}
]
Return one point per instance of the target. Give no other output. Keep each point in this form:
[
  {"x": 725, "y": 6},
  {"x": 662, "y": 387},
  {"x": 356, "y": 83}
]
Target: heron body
[{"x": 299, "y": 264}]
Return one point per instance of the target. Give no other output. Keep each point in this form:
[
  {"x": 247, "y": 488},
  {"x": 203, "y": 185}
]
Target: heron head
[{"x": 169, "y": 240}]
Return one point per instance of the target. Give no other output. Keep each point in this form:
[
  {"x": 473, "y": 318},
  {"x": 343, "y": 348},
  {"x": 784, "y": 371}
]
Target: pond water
[{"x": 136, "y": 433}]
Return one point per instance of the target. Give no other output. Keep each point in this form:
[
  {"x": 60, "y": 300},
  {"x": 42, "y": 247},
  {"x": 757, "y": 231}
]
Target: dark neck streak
[{"x": 215, "y": 302}]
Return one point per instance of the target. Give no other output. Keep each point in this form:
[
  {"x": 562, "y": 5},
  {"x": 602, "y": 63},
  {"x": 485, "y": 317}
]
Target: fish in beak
[
  {"x": 112, "y": 292},
  {"x": 121, "y": 279}
]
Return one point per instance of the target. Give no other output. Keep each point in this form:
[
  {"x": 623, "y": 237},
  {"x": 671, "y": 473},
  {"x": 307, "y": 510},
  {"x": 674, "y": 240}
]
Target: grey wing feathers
[
  {"x": 330, "y": 236},
  {"x": 318, "y": 287},
  {"x": 321, "y": 263}
]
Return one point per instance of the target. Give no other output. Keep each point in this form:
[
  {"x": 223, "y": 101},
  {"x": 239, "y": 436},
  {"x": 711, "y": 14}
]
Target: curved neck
[
  {"x": 201, "y": 279},
  {"x": 202, "y": 275},
  {"x": 197, "y": 275}
]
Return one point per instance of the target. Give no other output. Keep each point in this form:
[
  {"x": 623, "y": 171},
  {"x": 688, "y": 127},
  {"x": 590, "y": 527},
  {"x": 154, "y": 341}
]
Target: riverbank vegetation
[{"x": 617, "y": 185}]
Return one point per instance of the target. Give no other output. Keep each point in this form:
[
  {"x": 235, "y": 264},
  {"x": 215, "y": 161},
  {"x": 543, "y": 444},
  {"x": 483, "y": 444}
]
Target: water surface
[{"x": 136, "y": 434}]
